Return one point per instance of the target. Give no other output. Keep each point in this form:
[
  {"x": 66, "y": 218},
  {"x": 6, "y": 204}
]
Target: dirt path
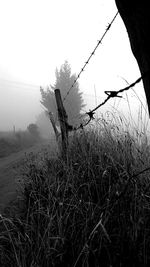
[{"x": 8, "y": 174}]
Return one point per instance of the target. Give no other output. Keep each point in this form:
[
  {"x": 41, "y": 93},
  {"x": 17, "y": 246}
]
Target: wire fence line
[
  {"x": 110, "y": 94},
  {"x": 91, "y": 55}
]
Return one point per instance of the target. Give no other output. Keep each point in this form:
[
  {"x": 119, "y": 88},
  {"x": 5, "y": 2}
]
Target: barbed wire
[
  {"x": 110, "y": 94},
  {"x": 91, "y": 55}
]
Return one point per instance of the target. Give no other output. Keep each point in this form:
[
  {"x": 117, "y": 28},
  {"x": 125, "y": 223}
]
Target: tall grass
[{"x": 91, "y": 210}]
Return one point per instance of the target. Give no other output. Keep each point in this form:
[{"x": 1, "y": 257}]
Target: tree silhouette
[
  {"x": 33, "y": 130},
  {"x": 44, "y": 125},
  {"x": 136, "y": 17},
  {"x": 73, "y": 102}
]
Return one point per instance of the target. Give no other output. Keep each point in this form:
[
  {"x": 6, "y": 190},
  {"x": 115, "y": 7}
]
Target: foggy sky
[{"x": 39, "y": 35}]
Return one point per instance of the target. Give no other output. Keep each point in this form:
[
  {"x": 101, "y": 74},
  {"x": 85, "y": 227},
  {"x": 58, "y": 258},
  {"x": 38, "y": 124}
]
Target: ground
[{"x": 9, "y": 173}]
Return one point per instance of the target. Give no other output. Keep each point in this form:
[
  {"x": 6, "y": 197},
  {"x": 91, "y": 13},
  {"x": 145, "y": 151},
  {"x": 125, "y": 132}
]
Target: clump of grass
[{"x": 91, "y": 210}]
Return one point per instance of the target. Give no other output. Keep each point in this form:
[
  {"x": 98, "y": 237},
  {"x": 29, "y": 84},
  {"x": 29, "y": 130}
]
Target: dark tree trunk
[{"x": 136, "y": 17}]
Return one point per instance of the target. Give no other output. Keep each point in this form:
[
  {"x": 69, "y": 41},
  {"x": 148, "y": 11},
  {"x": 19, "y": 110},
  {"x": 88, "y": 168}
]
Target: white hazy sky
[{"x": 36, "y": 36}]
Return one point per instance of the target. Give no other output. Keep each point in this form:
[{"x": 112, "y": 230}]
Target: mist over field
[
  {"x": 20, "y": 107},
  {"x": 29, "y": 59}
]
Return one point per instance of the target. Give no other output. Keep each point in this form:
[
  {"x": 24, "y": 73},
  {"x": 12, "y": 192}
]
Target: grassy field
[{"x": 92, "y": 210}]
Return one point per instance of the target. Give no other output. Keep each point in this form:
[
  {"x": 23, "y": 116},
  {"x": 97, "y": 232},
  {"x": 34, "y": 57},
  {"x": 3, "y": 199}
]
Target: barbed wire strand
[
  {"x": 110, "y": 94},
  {"x": 91, "y": 55}
]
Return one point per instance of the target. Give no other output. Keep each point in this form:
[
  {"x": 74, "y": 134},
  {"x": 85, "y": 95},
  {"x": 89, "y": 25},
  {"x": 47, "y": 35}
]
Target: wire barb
[
  {"x": 111, "y": 94},
  {"x": 91, "y": 114}
]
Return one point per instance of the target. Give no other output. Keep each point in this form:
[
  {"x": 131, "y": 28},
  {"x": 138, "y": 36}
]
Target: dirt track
[{"x": 8, "y": 174}]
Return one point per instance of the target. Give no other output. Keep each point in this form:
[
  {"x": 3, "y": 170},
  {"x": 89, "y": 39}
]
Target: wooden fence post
[
  {"x": 63, "y": 119},
  {"x": 57, "y": 134}
]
